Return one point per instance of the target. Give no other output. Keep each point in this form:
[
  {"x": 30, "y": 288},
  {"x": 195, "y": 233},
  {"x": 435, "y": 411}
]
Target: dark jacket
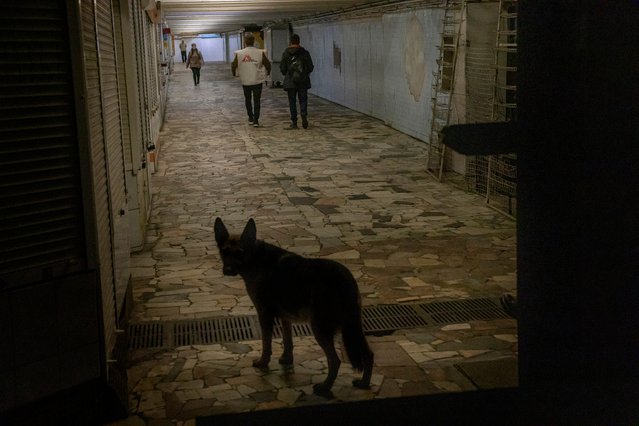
[{"x": 287, "y": 57}]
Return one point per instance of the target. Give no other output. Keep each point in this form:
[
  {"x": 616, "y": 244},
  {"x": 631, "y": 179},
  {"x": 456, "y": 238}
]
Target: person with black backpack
[{"x": 296, "y": 65}]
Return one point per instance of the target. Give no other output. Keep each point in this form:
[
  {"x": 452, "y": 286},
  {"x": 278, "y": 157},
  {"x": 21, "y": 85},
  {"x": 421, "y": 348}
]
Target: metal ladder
[
  {"x": 502, "y": 169},
  {"x": 504, "y": 99},
  {"x": 443, "y": 85}
]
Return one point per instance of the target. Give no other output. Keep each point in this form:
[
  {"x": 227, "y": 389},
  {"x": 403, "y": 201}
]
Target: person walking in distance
[
  {"x": 296, "y": 65},
  {"x": 195, "y": 62},
  {"x": 251, "y": 63},
  {"x": 183, "y": 50}
]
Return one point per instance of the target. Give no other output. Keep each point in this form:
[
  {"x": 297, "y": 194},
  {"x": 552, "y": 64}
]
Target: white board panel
[
  {"x": 350, "y": 50},
  {"x": 367, "y": 64},
  {"x": 364, "y": 71},
  {"x": 377, "y": 59}
]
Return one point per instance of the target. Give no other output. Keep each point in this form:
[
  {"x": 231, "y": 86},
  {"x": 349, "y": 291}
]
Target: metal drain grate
[
  {"x": 214, "y": 330},
  {"x": 299, "y": 329},
  {"x": 375, "y": 319},
  {"x": 462, "y": 311},
  {"x": 146, "y": 335},
  {"x": 391, "y": 317}
]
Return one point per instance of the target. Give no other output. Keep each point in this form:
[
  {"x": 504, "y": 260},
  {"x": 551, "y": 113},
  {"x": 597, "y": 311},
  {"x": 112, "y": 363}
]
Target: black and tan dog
[{"x": 290, "y": 287}]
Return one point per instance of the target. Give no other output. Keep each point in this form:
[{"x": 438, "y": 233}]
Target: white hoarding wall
[
  {"x": 212, "y": 48},
  {"x": 382, "y": 66}
]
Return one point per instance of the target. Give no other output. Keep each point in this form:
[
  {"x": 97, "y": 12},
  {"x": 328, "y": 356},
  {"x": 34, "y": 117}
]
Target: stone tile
[
  {"x": 472, "y": 353},
  {"x": 511, "y": 338},
  {"x": 389, "y": 389},
  {"x": 414, "y": 282},
  {"x": 500, "y": 373},
  {"x": 422, "y": 387},
  {"x": 413, "y": 373},
  {"x": 227, "y": 395},
  {"x": 288, "y": 395},
  {"x": 271, "y": 405},
  {"x": 455, "y": 327},
  {"x": 193, "y": 384},
  {"x": 150, "y": 400},
  {"x": 390, "y": 354},
  {"x": 197, "y": 404},
  {"x": 348, "y": 254}
]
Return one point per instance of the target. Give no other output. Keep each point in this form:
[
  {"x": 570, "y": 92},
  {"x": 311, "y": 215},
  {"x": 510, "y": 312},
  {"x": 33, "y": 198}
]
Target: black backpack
[{"x": 297, "y": 69}]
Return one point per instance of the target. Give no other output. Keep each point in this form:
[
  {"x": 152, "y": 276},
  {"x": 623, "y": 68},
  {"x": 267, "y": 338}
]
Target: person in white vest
[{"x": 250, "y": 63}]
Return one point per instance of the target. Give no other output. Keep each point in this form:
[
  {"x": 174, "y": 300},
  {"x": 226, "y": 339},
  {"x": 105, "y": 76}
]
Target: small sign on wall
[{"x": 337, "y": 57}]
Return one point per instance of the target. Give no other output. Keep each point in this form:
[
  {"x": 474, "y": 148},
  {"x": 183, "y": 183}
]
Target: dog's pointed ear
[
  {"x": 221, "y": 233},
  {"x": 249, "y": 235}
]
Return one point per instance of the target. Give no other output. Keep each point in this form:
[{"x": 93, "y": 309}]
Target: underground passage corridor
[{"x": 431, "y": 260}]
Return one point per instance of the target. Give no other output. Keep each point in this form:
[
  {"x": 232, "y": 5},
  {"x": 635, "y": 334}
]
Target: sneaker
[
  {"x": 292, "y": 127},
  {"x": 304, "y": 123},
  {"x": 256, "y": 124},
  {"x": 250, "y": 121}
]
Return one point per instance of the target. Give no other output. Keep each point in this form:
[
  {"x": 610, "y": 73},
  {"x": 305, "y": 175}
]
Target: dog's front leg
[
  {"x": 287, "y": 340},
  {"x": 266, "y": 325}
]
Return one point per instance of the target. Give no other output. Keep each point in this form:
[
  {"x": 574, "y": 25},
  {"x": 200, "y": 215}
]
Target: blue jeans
[
  {"x": 253, "y": 108},
  {"x": 302, "y": 95}
]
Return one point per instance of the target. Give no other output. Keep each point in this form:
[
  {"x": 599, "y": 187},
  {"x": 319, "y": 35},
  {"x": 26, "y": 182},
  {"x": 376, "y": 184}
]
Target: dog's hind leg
[
  {"x": 287, "y": 340},
  {"x": 266, "y": 326},
  {"x": 327, "y": 343}
]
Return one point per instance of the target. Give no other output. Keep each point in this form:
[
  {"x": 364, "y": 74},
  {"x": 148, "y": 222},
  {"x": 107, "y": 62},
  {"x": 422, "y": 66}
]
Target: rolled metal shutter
[
  {"x": 152, "y": 66},
  {"x": 107, "y": 157},
  {"x": 41, "y": 213},
  {"x": 123, "y": 92},
  {"x": 99, "y": 169},
  {"x": 139, "y": 18},
  {"x": 110, "y": 82}
]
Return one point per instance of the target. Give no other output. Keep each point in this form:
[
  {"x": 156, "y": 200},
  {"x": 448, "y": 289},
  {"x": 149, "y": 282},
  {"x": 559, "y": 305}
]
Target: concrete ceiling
[{"x": 189, "y": 17}]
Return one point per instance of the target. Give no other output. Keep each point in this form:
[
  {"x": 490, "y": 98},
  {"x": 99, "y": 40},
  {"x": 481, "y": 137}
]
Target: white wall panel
[
  {"x": 349, "y": 52},
  {"x": 326, "y": 81},
  {"x": 311, "y": 40},
  {"x": 364, "y": 70},
  {"x": 318, "y": 39},
  {"x": 322, "y": 58},
  {"x": 212, "y": 48},
  {"x": 336, "y": 48},
  {"x": 372, "y": 77},
  {"x": 403, "y": 111},
  {"x": 378, "y": 81},
  {"x": 276, "y": 41},
  {"x": 324, "y": 72},
  {"x": 234, "y": 44}
]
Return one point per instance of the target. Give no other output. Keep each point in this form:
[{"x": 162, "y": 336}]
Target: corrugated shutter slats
[
  {"x": 99, "y": 163},
  {"x": 41, "y": 216}
]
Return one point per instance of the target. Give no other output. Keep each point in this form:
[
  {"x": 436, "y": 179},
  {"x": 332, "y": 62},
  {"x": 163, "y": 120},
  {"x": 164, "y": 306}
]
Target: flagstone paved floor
[{"x": 348, "y": 188}]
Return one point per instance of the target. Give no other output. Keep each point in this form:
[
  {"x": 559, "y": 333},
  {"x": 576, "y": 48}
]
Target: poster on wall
[{"x": 414, "y": 58}]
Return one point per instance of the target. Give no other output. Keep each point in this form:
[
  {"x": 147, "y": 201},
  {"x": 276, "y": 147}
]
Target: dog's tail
[{"x": 357, "y": 349}]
